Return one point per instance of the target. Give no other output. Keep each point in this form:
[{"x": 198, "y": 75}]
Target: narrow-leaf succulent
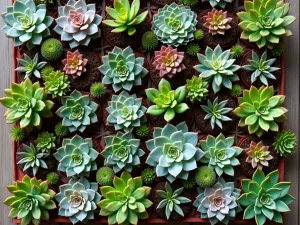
[
  {"x": 258, "y": 155},
  {"x": 237, "y": 51},
  {"x": 142, "y": 131},
  {"x": 285, "y": 143},
  {"x": 74, "y": 64},
  {"x": 52, "y": 178},
  {"x": 193, "y": 49},
  {"x": 45, "y": 142},
  {"x": 236, "y": 91},
  {"x": 197, "y": 89},
  {"x": 217, "y": 22},
  {"x": 17, "y": 133}
]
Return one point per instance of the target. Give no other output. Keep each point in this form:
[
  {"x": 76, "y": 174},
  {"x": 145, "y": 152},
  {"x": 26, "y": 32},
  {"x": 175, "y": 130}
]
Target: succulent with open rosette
[
  {"x": 75, "y": 64},
  {"x": 217, "y": 22},
  {"x": 258, "y": 155}
]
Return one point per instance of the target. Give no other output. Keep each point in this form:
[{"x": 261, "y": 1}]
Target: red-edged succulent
[
  {"x": 217, "y": 22},
  {"x": 258, "y": 155},
  {"x": 75, "y": 64}
]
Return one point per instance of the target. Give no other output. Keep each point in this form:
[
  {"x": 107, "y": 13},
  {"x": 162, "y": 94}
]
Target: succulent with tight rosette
[
  {"x": 26, "y": 103},
  {"x": 173, "y": 151},
  {"x": 265, "y": 22},
  {"x": 122, "y": 69},
  {"x": 122, "y": 152},
  {"x": 57, "y": 84},
  {"x": 77, "y": 200},
  {"x": 260, "y": 110},
  {"x": 77, "y": 23},
  {"x": 217, "y": 22},
  {"x": 218, "y": 68},
  {"x": 76, "y": 156},
  {"x": 31, "y": 200},
  {"x": 258, "y": 155},
  {"x": 218, "y": 203},
  {"x": 220, "y": 154},
  {"x": 285, "y": 143},
  {"x": 174, "y": 24},
  {"x": 45, "y": 142},
  {"x": 265, "y": 198},
  {"x": 126, "y": 202},
  {"x": 197, "y": 89},
  {"x": 77, "y": 111},
  {"x": 220, "y": 3},
  {"x": 75, "y": 64},
  {"x": 168, "y": 61}
]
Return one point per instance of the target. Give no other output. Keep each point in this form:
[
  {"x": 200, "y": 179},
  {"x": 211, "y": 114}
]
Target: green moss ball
[
  {"x": 105, "y": 176},
  {"x": 52, "y": 49},
  {"x": 52, "y": 178},
  {"x": 98, "y": 89},
  {"x": 149, "y": 41},
  {"x": 205, "y": 177}
]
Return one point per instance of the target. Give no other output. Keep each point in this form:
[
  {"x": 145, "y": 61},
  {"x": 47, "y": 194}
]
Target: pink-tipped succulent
[
  {"x": 258, "y": 155},
  {"x": 168, "y": 61},
  {"x": 217, "y": 22},
  {"x": 75, "y": 64}
]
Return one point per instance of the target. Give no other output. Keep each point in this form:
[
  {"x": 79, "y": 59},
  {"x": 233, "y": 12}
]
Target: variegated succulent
[
  {"x": 258, "y": 155},
  {"x": 75, "y": 64},
  {"x": 217, "y": 22}
]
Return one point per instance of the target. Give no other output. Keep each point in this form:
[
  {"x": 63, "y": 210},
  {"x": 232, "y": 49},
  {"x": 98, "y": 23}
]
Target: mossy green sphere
[
  {"x": 105, "y": 176},
  {"x": 52, "y": 49},
  {"x": 17, "y": 134},
  {"x": 237, "y": 51},
  {"x": 236, "y": 91},
  {"x": 148, "y": 176},
  {"x": 205, "y": 177},
  {"x": 52, "y": 178},
  {"x": 193, "y": 49},
  {"x": 198, "y": 35},
  {"x": 97, "y": 89},
  {"x": 61, "y": 130},
  {"x": 142, "y": 131},
  {"x": 149, "y": 41}
]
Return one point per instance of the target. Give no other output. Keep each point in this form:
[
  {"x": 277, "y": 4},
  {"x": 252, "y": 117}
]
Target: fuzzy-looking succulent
[
  {"x": 78, "y": 200},
  {"x": 237, "y": 51},
  {"x": 77, "y": 23},
  {"x": 46, "y": 71},
  {"x": 197, "y": 89},
  {"x": 17, "y": 133},
  {"x": 148, "y": 176},
  {"x": 45, "y": 142},
  {"x": 173, "y": 151},
  {"x": 260, "y": 110},
  {"x": 236, "y": 91},
  {"x": 188, "y": 2},
  {"x": 220, "y": 154},
  {"x": 74, "y": 64},
  {"x": 97, "y": 89},
  {"x": 77, "y": 111},
  {"x": 258, "y": 155},
  {"x": 57, "y": 84},
  {"x": 198, "y": 35},
  {"x": 52, "y": 178},
  {"x": 285, "y": 143},
  {"x": 26, "y": 23},
  {"x": 149, "y": 41},
  {"x": 43, "y": 2},
  {"x": 205, "y": 176},
  {"x": 122, "y": 69},
  {"x": 51, "y": 49},
  {"x": 265, "y": 198},
  {"x": 126, "y": 202},
  {"x": 189, "y": 183},
  {"x": 217, "y": 22},
  {"x": 142, "y": 131},
  {"x": 193, "y": 49},
  {"x": 105, "y": 176},
  {"x": 174, "y": 24},
  {"x": 61, "y": 130},
  {"x": 220, "y": 3},
  {"x": 277, "y": 50},
  {"x": 218, "y": 68}
]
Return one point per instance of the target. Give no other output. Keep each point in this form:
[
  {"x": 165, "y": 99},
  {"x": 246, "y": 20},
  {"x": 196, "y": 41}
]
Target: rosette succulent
[
  {"x": 260, "y": 110},
  {"x": 57, "y": 84},
  {"x": 220, "y": 3},
  {"x": 45, "y": 142},
  {"x": 77, "y": 23},
  {"x": 122, "y": 152},
  {"x": 76, "y": 156},
  {"x": 75, "y": 64},
  {"x": 122, "y": 69},
  {"x": 217, "y": 22},
  {"x": 285, "y": 143},
  {"x": 174, "y": 24},
  {"x": 258, "y": 155},
  {"x": 197, "y": 89},
  {"x": 173, "y": 151},
  {"x": 218, "y": 68}
]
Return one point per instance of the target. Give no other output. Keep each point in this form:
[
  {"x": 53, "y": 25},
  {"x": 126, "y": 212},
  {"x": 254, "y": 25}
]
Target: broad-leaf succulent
[
  {"x": 217, "y": 22},
  {"x": 285, "y": 143},
  {"x": 57, "y": 84},
  {"x": 75, "y": 64},
  {"x": 45, "y": 142},
  {"x": 258, "y": 155},
  {"x": 197, "y": 89},
  {"x": 220, "y": 3}
]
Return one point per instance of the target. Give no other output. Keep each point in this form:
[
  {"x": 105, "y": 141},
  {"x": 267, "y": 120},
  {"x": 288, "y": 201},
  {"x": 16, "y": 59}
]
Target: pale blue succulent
[{"x": 220, "y": 3}]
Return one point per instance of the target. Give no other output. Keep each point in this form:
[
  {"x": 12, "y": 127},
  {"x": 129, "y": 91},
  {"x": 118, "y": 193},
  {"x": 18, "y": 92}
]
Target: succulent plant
[
  {"x": 218, "y": 68},
  {"x": 142, "y": 131},
  {"x": 285, "y": 143},
  {"x": 237, "y": 51},
  {"x": 148, "y": 176},
  {"x": 31, "y": 200},
  {"x": 174, "y": 24},
  {"x": 173, "y": 151},
  {"x": 43, "y": 1},
  {"x": 258, "y": 155},
  {"x": 77, "y": 23},
  {"x": 220, "y": 3},
  {"x": 105, "y": 176},
  {"x": 189, "y": 183},
  {"x": 26, "y": 23},
  {"x": 17, "y": 133},
  {"x": 205, "y": 176},
  {"x": 46, "y": 71},
  {"x": 52, "y": 49},
  {"x": 265, "y": 198},
  {"x": 197, "y": 89},
  {"x": 97, "y": 89},
  {"x": 198, "y": 35},
  {"x": 220, "y": 154},
  {"x": 188, "y": 2},
  {"x": 77, "y": 111},
  {"x": 265, "y": 23},
  {"x": 218, "y": 203},
  {"x": 260, "y": 110},
  {"x": 168, "y": 61},
  {"x": 126, "y": 202},
  {"x": 277, "y": 50},
  {"x": 45, "y": 142},
  {"x": 61, "y": 130},
  {"x": 122, "y": 69},
  {"x": 236, "y": 91},
  {"x": 76, "y": 156},
  {"x": 78, "y": 199},
  {"x": 52, "y": 178},
  {"x": 149, "y": 41},
  {"x": 193, "y": 49},
  {"x": 74, "y": 64},
  {"x": 217, "y": 22},
  {"x": 26, "y": 103},
  {"x": 171, "y": 201},
  {"x": 57, "y": 84}
]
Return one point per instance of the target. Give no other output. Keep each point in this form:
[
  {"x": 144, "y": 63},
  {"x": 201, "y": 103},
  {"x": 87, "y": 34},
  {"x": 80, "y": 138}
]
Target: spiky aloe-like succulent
[
  {"x": 197, "y": 89},
  {"x": 149, "y": 41},
  {"x": 26, "y": 23},
  {"x": 218, "y": 203},
  {"x": 77, "y": 23},
  {"x": 52, "y": 178},
  {"x": 31, "y": 200},
  {"x": 122, "y": 69},
  {"x": 174, "y": 24},
  {"x": 57, "y": 84},
  {"x": 126, "y": 202},
  {"x": 78, "y": 199},
  {"x": 26, "y": 103},
  {"x": 75, "y": 64},
  {"x": 265, "y": 22},
  {"x": 17, "y": 133},
  {"x": 265, "y": 198},
  {"x": 125, "y": 112},
  {"x": 218, "y": 68},
  {"x": 285, "y": 143},
  {"x": 258, "y": 155},
  {"x": 217, "y": 22},
  {"x": 45, "y": 142},
  {"x": 77, "y": 111},
  {"x": 173, "y": 151},
  {"x": 237, "y": 51},
  {"x": 148, "y": 176},
  {"x": 260, "y": 110},
  {"x": 105, "y": 176},
  {"x": 220, "y": 154},
  {"x": 220, "y": 3}
]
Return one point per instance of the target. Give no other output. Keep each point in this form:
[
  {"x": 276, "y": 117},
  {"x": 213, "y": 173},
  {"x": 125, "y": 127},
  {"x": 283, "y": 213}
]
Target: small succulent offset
[
  {"x": 125, "y": 112},
  {"x": 258, "y": 155},
  {"x": 173, "y": 151},
  {"x": 148, "y": 176},
  {"x": 171, "y": 201},
  {"x": 220, "y": 3},
  {"x": 122, "y": 152},
  {"x": 167, "y": 101},
  {"x": 218, "y": 68},
  {"x": 57, "y": 84},
  {"x": 217, "y": 22},
  {"x": 52, "y": 178},
  {"x": 285, "y": 143},
  {"x": 174, "y": 24},
  {"x": 45, "y": 142},
  {"x": 26, "y": 23},
  {"x": 125, "y": 16},
  {"x": 220, "y": 154},
  {"x": 265, "y": 198},
  {"x": 122, "y": 69},
  {"x": 17, "y": 133},
  {"x": 75, "y": 64},
  {"x": 218, "y": 203},
  {"x": 77, "y": 111},
  {"x": 76, "y": 156},
  {"x": 197, "y": 89},
  {"x": 31, "y": 200},
  {"x": 126, "y": 202},
  {"x": 77, "y": 23},
  {"x": 260, "y": 110},
  {"x": 78, "y": 199}
]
